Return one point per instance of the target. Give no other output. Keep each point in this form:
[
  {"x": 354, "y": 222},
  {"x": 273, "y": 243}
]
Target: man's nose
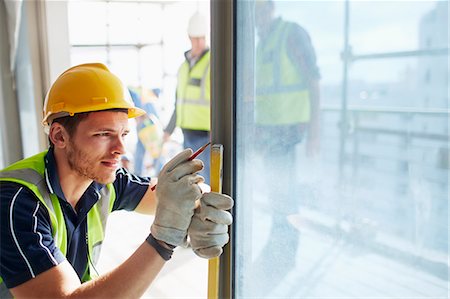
[{"x": 119, "y": 146}]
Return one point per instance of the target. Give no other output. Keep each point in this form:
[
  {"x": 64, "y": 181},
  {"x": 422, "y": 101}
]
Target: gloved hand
[
  {"x": 208, "y": 231},
  {"x": 176, "y": 192}
]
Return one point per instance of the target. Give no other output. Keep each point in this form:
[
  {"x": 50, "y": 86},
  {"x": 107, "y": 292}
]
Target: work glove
[
  {"x": 208, "y": 231},
  {"x": 176, "y": 193}
]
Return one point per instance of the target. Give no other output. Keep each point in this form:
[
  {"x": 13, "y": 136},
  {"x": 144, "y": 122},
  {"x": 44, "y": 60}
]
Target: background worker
[
  {"x": 149, "y": 133},
  {"x": 54, "y": 206},
  {"x": 286, "y": 110},
  {"x": 192, "y": 105}
]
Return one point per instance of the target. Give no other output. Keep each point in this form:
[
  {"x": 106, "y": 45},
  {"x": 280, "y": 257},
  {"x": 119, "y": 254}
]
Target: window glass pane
[
  {"x": 419, "y": 82},
  {"x": 342, "y": 158},
  {"x": 383, "y": 28},
  {"x": 150, "y": 21},
  {"x": 94, "y": 16},
  {"x": 123, "y": 20},
  {"x": 80, "y": 55},
  {"x": 125, "y": 64},
  {"x": 25, "y": 85},
  {"x": 152, "y": 66}
]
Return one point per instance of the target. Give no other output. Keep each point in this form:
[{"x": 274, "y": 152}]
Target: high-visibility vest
[
  {"x": 30, "y": 173},
  {"x": 193, "y": 95},
  {"x": 282, "y": 97}
]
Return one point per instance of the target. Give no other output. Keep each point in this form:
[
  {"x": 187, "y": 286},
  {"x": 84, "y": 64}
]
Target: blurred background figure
[
  {"x": 286, "y": 112},
  {"x": 192, "y": 106},
  {"x": 149, "y": 134}
]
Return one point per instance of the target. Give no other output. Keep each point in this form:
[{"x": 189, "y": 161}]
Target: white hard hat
[{"x": 197, "y": 25}]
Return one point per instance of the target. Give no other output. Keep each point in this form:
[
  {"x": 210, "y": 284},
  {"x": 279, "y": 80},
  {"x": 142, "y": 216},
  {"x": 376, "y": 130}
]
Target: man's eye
[{"x": 102, "y": 134}]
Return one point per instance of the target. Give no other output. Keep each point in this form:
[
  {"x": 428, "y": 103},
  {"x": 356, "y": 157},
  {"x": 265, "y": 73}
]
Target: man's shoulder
[
  {"x": 129, "y": 189},
  {"x": 296, "y": 30},
  {"x": 184, "y": 66},
  {"x": 20, "y": 194},
  {"x": 19, "y": 200},
  {"x": 125, "y": 176},
  {"x": 25, "y": 235},
  {"x": 35, "y": 162}
]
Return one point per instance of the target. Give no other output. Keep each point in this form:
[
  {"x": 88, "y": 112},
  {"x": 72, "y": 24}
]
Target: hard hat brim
[
  {"x": 135, "y": 112},
  {"x": 132, "y": 113}
]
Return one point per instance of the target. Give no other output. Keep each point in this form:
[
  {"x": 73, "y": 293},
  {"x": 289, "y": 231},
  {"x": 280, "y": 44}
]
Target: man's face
[
  {"x": 94, "y": 151},
  {"x": 198, "y": 46}
]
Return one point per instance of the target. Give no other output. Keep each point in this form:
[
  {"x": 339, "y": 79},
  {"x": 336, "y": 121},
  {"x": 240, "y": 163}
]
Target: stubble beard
[{"x": 84, "y": 166}]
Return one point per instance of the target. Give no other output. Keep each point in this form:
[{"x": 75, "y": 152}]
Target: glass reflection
[
  {"x": 343, "y": 192},
  {"x": 285, "y": 115}
]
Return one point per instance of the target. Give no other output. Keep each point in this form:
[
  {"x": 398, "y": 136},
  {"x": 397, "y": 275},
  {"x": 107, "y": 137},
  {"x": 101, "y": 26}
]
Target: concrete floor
[{"x": 184, "y": 276}]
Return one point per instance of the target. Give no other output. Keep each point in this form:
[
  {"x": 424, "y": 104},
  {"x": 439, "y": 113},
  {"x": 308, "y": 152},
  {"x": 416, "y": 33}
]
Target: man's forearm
[{"x": 129, "y": 280}]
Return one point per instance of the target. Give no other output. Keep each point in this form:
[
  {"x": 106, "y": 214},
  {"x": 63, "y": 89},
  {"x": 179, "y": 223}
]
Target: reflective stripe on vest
[
  {"x": 193, "y": 95},
  {"x": 30, "y": 173},
  {"x": 282, "y": 97},
  {"x": 36, "y": 183}
]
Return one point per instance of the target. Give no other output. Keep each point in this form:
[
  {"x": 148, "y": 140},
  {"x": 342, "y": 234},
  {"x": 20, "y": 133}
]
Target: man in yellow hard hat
[
  {"x": 54, "y": 205},
  {"x": 192, "y": 109}
]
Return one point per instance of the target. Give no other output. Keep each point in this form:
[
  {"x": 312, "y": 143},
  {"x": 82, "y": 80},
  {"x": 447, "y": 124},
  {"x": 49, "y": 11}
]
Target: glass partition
[{"x": 342, "y": 149}]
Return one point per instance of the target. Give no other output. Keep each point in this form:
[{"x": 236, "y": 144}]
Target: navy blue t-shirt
[{"x": 27, "y": 247}]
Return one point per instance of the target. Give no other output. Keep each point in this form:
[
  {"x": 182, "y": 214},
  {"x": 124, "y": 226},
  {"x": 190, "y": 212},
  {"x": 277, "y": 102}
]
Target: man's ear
[{"x": 58, "y": 135}]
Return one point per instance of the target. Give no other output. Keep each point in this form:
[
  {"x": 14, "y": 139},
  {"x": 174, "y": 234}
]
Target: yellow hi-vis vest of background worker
[
  {"x": 193, "y": 95},
  {"x": 282, "y": 97},
  {"x": 30, "y": 173}
]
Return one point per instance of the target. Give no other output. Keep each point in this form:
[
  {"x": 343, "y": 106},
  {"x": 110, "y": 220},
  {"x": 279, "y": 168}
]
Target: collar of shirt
[
  {"x": 193, "y": 60},
  {"x": 89, "y": 198}
]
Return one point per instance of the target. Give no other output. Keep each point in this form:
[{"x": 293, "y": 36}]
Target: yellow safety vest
[
  {"x": 282, "y": 97},
  {"x": 30, "y": 173},
  {"x": 193, "y": 95}
]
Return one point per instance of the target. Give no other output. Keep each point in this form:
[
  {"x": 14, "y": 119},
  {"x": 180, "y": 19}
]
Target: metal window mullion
[
  {"x": 400, "y": 54},
  {"x": 346, "y": 59},
  {"x": 223, "y": 113}
]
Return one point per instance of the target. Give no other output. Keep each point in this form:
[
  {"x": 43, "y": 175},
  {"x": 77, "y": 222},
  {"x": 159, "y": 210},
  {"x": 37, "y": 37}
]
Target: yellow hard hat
[{"x": 84, "y": 88}]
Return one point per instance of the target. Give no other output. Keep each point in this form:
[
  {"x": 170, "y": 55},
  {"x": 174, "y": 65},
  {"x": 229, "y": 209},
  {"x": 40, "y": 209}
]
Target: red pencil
[
  {"x": 192, "y": 157},
  {"x": 198, "y": 152}
]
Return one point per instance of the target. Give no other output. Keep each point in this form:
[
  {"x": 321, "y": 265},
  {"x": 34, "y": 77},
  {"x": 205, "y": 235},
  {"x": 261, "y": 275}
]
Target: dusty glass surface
[{"x": 342, "y": 149}]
